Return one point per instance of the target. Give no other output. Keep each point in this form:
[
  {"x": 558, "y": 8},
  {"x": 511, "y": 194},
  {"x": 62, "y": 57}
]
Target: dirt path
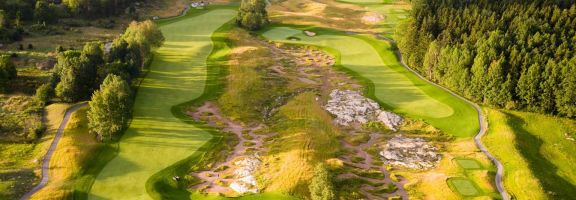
[
  {"x": 367, "y": 164},
  {"x": 214, "y": 178},
  {"x": 483, "y": 125},
  {"x": 50, "y": 152}
]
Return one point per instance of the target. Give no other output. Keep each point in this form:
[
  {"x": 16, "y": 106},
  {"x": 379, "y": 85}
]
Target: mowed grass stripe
[
  {"x": 156, "y": 139},
  {"x": 397, "y": 88}
]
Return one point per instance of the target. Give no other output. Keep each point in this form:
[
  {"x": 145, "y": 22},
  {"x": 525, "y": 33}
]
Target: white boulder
[
  {"x": 413, "y": 153},
  {"x": 351, "y": 107}
]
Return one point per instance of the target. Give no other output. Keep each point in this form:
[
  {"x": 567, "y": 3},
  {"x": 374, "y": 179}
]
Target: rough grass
[
  {"x": 320, "y": 13},
  {"x": 537, "y": 156},
  {"x": 79, "y": 156},
  {"x": 19, "y": 166},
  {"x": 393, "y": 11},
  {"x": 306, "y": 137},
  {"x": 388, "y": 81},
  {"x": 156, "y": 138},
  {"x": 249, "y": 89}
]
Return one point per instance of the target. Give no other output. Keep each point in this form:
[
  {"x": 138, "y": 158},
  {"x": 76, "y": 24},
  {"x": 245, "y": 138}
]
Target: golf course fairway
[
  {"x": 397, "y": 88},
  {"x": 156, "y": 139}
]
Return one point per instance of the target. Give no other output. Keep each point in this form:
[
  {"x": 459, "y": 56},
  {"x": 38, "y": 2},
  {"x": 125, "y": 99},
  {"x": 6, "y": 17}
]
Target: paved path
[
  {"x": 481, "y": 119},
  {"x": 48, "y": 156}
]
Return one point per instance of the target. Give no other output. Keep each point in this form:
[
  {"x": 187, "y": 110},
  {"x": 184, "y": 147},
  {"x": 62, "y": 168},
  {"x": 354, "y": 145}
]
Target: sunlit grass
[
  {"x": 156, "y": 139},
  {"x": 537, "y": 155},
  {"x": 394, "y": 86}
]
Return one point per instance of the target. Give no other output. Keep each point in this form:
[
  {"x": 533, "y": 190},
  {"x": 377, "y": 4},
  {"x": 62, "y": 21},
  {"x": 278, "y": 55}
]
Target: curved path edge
[
  {"x": 481, "y": 120},
  {"x": 50, "y": 152}
]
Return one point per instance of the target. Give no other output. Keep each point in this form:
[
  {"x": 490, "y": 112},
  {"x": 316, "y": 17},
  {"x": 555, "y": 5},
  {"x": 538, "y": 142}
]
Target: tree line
[
  {"x": 507, "y": 53},
  {"x": 15, "y": 13},
  {"x": 103, "y": 73}
]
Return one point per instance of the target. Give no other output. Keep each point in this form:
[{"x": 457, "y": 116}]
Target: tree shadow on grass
[{"x": 529, "y": 146}]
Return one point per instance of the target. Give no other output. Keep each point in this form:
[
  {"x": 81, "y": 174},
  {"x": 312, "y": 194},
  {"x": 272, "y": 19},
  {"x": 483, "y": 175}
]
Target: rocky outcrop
[
  {"x": 413, "y": 153},
  {"x": 389, "y": 119},
  {"x": 244, "y": 180},
  {"x": 351, "y": 107}
]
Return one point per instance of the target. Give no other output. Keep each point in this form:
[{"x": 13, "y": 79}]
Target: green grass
[
  {"x": 156, "y": 138},
  {"x": 388, "y": 81},
  {"x": 468, "y": 164},
  {"x": 536, "y": 154},
  {"x": 463, "y": 186}
]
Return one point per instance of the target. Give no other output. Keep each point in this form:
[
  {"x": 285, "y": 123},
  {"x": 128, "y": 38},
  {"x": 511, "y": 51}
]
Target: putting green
[
  {"x": 468, "y": 164},
  {"x": 155, "y": 138},
  {"x": 463, "y": 186},
  {"x": 400, "y": 90}
]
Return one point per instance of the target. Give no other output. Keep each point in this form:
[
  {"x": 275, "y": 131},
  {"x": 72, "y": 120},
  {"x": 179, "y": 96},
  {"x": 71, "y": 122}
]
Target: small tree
[
  {"x": 252, "y": 14},
  {"x": 44, "y": 93},
  {"x": 321, "y": 187},
  {"x": 110, "y": 107},
  {"x": 7, "y": 71}
]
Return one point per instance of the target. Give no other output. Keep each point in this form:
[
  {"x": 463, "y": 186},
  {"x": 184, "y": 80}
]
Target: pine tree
[{"x": 528, "y": 87}]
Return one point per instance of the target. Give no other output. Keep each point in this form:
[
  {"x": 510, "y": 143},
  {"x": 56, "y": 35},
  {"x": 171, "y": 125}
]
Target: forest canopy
[{"x": 513, "y": 54}]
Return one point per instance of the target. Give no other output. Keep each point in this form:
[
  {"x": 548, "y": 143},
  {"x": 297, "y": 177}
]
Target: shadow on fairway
[{"x": 529, "y": 146}]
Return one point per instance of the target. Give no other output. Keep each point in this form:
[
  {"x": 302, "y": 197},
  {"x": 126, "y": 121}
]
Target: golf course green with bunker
[
  {"x": 156, "y": 138},
  {"x": 398, "y": 89}
]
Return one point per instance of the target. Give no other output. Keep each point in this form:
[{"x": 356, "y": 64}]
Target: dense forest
[
  {"x": 505, "y": 53},
  {"x": 15, "y": 14}
]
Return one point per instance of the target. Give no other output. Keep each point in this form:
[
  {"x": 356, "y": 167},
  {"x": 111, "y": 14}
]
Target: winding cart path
[{"x": 50, "y": 152}]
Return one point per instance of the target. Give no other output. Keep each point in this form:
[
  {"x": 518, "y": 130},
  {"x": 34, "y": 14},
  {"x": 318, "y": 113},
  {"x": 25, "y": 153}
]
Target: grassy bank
[
  {"x": 536, "y": 151},
  {"x": 80, "y": 158}
]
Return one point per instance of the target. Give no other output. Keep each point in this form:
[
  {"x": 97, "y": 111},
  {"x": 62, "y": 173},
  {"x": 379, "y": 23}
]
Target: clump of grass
[
  {"x": 357, "y": 159},
  {"x": 371, "y": 173},
  {"x": 389, "y": 188},
  {"x": 357, "y": 139},
  {"x": 248, "y": 144}
]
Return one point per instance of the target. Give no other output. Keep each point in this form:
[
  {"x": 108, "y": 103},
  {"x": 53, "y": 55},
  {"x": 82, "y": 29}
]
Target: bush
[
  {"x": 321, "y": 187},
  {"x": 44, "y": 93}
]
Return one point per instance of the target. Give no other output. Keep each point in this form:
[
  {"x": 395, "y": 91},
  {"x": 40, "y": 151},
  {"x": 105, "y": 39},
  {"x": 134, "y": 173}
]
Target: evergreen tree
[
  {"x": 7, "y": 72},
  {"x": 43, "y": 13},
  {"x": 252, "y": 14}
]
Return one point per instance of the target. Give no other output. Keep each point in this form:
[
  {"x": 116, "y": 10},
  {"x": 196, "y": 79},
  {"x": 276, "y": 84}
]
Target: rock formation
[
  {"x": 244, "y": 180},
  {"x": 413, "y": 153},
  {"x": 351, "y": 107}
]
